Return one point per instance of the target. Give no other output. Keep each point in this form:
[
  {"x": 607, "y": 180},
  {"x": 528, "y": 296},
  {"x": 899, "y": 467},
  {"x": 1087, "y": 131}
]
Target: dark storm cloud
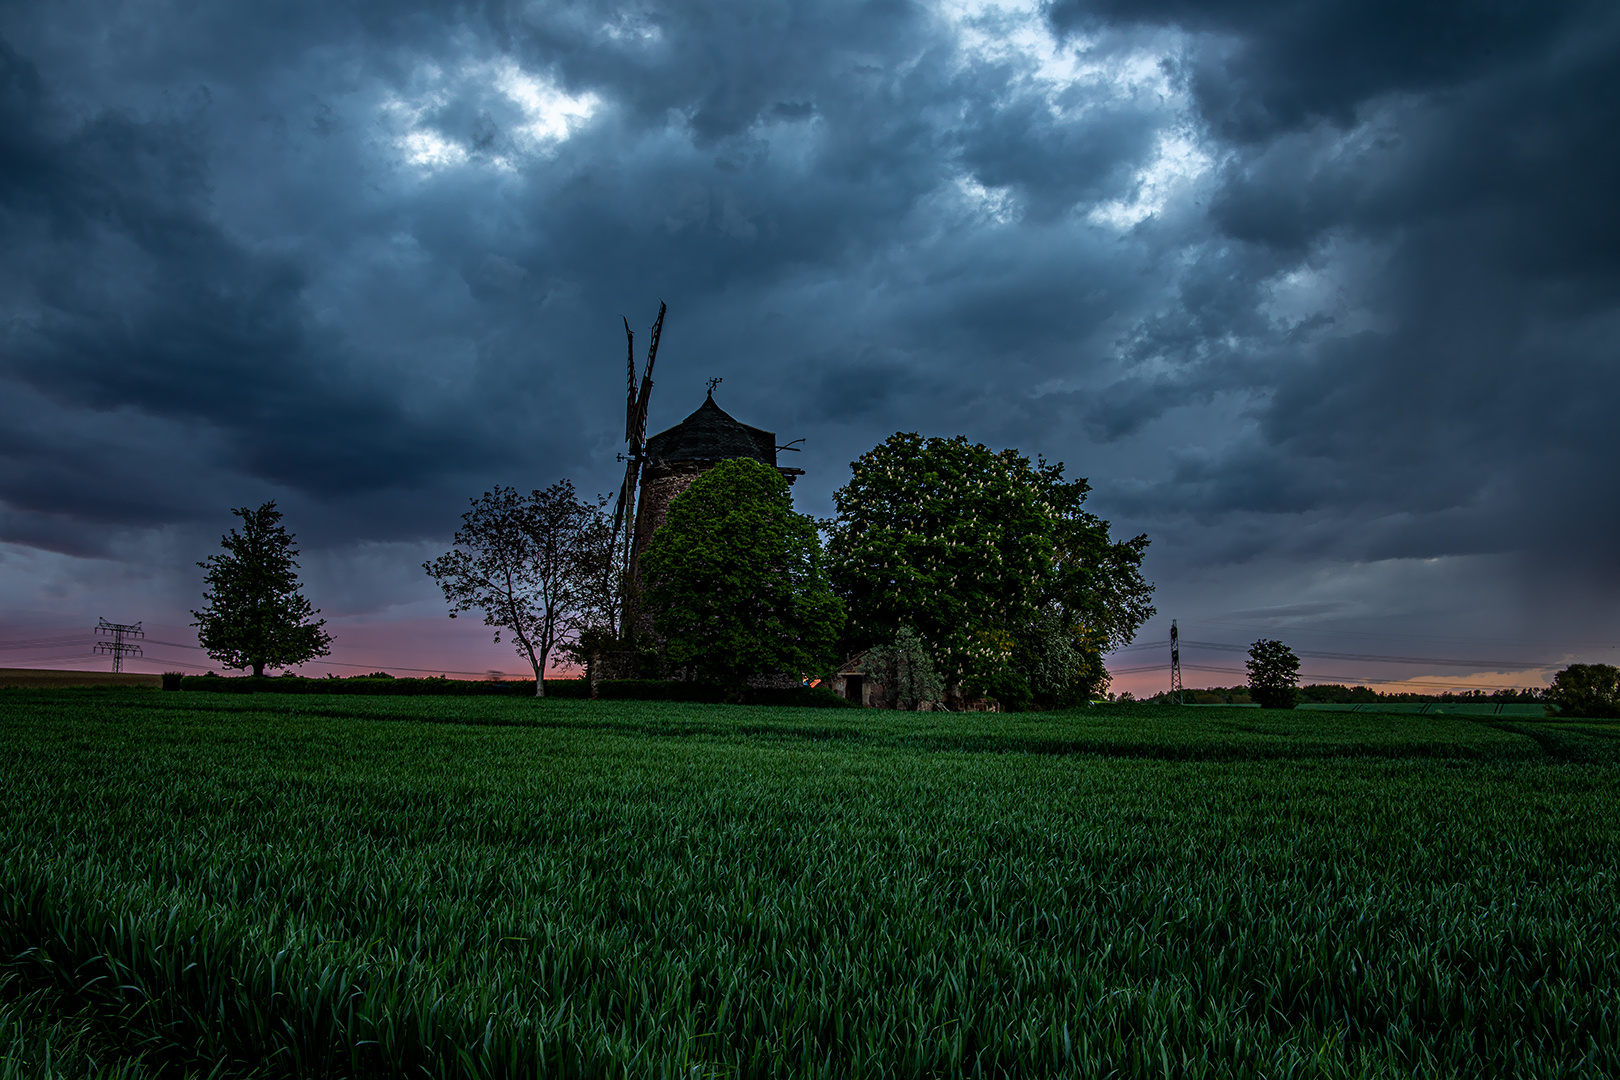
[
  {"x": 1448, "y": 172},
  {"x": 128, "y": 297},
  {"x": 1316, "y": 282},
  {"x": 1266, "y": 66}
]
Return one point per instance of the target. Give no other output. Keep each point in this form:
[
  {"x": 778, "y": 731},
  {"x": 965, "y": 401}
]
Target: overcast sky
[{"x": 1322, "y": 295}]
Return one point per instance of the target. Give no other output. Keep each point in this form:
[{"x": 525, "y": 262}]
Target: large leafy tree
[
  {"x": 984, "y": 553},
  {"x": 526, "y": 562},
  {"x": 253, "y": 615},
  {"x": 734, "y": 578},
  {"x": 1273, "y": 674},
  {"x": 1587, "y": 690}
]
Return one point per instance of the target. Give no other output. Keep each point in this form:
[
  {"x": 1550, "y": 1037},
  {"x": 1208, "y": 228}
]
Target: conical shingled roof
[{"x": 711, "y": 434}]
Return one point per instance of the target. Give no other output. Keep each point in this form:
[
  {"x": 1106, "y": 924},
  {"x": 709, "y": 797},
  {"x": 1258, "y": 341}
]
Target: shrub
[{"x": 904, "y": 671}]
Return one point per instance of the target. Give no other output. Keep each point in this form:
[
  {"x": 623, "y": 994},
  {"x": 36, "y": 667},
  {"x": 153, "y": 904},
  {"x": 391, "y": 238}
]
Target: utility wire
[
  {"x": 1372, "y": 659},
  {"x": 1337, "y": 678},
  {"x": 1425, "y": 637},
  {"x": 66, "y": 640},
  {"x": 47, "y": 643},
  {"x": 55, "y": 659},
  {"x": 1368, "y": 658}
]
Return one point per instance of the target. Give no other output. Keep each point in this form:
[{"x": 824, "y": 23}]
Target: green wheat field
[{"x": 254, "y": 886}]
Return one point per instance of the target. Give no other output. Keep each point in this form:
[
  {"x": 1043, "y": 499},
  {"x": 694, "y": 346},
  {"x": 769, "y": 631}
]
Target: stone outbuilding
[{"x": 851, "y": 683}]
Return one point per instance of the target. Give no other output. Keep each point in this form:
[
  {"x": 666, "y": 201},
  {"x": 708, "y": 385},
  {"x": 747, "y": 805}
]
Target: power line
[
  {"x": 1425, "y": 637},
  {"x": 337, "y": 663},
  {"x": 1141, "y": 645},
  {"x": 173, "y": 644},
  {"x": 1338, "y": 678},
  {"x": 395, "y": 667},
  {"x": 77, "y": 657},
  {"x": 177, "y": 663},
  {"x": 1368, "y": 658},
  {"x": 1371, "y": 659},
  {"x": 48, "y": 643}
]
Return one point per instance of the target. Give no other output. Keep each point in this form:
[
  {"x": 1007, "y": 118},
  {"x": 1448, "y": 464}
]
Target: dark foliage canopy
[
  {"x": 735, "y": 580},
  {"x": 1587, "y": 690},
  {"x": 984, "y": 553},
  {"x": 253, "y": 615},
  {"x": 1273, "y": 674}
]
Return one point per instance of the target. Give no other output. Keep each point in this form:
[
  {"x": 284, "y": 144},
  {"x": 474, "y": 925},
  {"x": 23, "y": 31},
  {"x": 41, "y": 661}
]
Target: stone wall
[{"x": 659, "y": 486}]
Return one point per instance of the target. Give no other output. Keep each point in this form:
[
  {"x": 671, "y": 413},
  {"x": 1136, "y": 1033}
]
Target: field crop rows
[{"x": 310, "y": 886}]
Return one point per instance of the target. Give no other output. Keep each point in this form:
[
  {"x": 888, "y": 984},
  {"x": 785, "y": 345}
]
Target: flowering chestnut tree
[{"x": 979, "y": 551}]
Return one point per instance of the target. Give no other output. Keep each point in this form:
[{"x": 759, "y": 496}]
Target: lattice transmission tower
[
  {"x": 118, "y": 647},
  {"x": 1175, "y": 664}
]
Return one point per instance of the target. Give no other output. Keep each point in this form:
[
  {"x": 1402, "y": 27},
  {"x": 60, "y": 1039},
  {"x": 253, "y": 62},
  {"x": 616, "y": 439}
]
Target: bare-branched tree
[
  {"x": 524, "y": 560},
  {"x": 601, "y": 596}
]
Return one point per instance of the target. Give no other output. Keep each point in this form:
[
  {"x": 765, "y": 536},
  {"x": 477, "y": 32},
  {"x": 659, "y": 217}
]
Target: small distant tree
[
  {"x": 735, "y": 583},
  {"x": 904, "y": 671},
  {"x": 1587, "y": 690},
  {"x": 253, "y": 615},
  {"x": 523, "y": 561},
  {"x": 1273, "y": 674}
]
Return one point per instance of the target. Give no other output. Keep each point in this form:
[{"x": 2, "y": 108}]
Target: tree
[
  {"x": 904, "y": 671},
  {"x": 1587, "y": 690},
  {"x": 735, "y": 583},
  {"x": 602, "y": 644},
  {"x": 1057, "y": 665},
  {"x": 524, "y": 561},
  {"x": 982, "y": 552},
  {"x": 600, "y": 598},
  {"x": 253, "y": 614},
  {"x": 1273, "y": 674}
]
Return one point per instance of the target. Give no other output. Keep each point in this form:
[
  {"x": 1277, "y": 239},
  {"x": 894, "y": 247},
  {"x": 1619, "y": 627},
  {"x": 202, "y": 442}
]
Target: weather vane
[{"x": 714, "y": 383}]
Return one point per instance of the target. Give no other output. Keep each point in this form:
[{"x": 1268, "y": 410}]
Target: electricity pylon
[
  {"x": 118, "y": 648},
  {"x": 1175, "y": 664}
]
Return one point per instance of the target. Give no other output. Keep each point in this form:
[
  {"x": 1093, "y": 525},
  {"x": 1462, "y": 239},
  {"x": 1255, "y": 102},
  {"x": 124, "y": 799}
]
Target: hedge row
[{"x": 615, "y": 689}]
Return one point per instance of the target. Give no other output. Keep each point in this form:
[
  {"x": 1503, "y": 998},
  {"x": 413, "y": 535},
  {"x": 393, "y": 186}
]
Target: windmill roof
[{"x": 712, "y": 434}]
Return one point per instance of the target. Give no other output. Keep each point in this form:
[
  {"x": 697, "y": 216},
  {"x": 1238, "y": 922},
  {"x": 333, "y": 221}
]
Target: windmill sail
[
  {"x": 627, "y": 497},
  {"x": 635, "y": 425},
  {"x": 630, "y": 382},
  {"x": 652, "y": 351}
]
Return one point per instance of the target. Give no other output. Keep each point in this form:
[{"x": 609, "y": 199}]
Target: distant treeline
[
  {"x": 1336, "y": 694},
  {"x": 617, "y": 689}
]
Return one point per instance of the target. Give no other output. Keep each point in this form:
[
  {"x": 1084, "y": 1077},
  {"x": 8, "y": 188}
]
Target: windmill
[{"x": 635, "y": 438}]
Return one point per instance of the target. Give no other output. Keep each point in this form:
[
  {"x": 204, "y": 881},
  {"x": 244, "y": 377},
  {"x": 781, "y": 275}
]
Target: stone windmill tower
[
  {"x": 675, "y": 457},
  {"x": 661, "y": 467}
]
